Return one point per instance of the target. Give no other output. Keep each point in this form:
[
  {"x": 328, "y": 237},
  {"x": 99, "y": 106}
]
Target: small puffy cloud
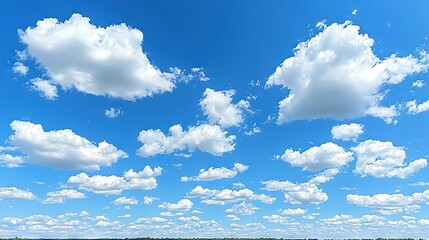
[
  {"x": 149, "y": 200},
  {"x": 84, "y": 214},
  {"x": 189, "y": 219},
  {"x": 390, "y": 203},
  {"x": 20, "y": 68},
  {"x": 200, "y": 73},
  {"x": 242, "y": 208},
  {"x": 125, "y": 201},
  {"x": 225, "y": 196},
  {"x": 336, "y": 74},
  {"x": 303, "y": 193},
  {"x": 354, "y": 12},
  {"x": 9, "y": 160},
  {"x": 347, "y": 132},
  {"x": 101, "y": 61},
  {"x": 151, "y": 220},
  {"x": 294, "y": 212},
  {"x": 414, "y": 108},
  {"x": 385, "y": 113},
  {"x": 218, "y": 107},
  {"x": 13, "y": 193},
  {"x": 114, "y": 185},
  {"x": 61, "y": 149},
  {"x": 206, "y": 138},
  {"x": 183, "y": 205},
  {"x": 113, "y": 112},
  {"x": 384, "y": 160},
  {"x": 418, "y": 83},
  {"x": 217, "y": 173},
  {"x": 327, "y": 155},
  {"x": 45, "y": 88},
  {"x": 62, "y": 195}
]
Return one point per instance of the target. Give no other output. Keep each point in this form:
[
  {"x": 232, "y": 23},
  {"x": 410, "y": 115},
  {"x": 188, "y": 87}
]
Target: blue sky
[{"x": 214, "y": 119}]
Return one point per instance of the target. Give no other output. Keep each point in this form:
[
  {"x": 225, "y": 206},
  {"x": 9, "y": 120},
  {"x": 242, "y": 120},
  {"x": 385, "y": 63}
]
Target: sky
[{"x": 286, "y": 119}]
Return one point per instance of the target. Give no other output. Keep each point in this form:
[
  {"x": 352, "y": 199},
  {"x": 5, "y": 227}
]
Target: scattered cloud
[
  {"x": 294, "y": 212},
  {"x": 113, "y": 112},
  {"x": 347, "y": 132},
  {"x": 62, "y": 195},
  {"x": 384, "y": 160},
  {"x": 418, "y": 83},
  {"x": 217, "y": 173},
  {"x": 225, "y": 196},
  {"x": 414, "y": 108},
  {"x": 125, "y": 201},
  {"x": 149, "y": 200},
  {"x": 20, "y": 68},
  {"x": 354, "y": 12},
  {"x": 206, "y": 138},
  {"x": 336, "y": 75},
  {"x": 183, "y": 205},
  {"x": 61, "y": 149},
  {"x": 13, "y": 193},
  {"x": 45, "y": 88},
  {"x": 242, "y": 208},
  {"x": 200, "y": 74}
]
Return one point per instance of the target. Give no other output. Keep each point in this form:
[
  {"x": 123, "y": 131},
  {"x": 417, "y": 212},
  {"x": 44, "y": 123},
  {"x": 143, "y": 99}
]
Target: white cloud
[
  {"x": 418, "y": 84},
  {"x": 354, "y": 12},
  {"x": 343, "y": 219},
  {"x": 113, "y": 112},
  {"x": 390, "y": 203},
  {"x": 189, "y": 219},
  {"x": 149, "y": 200},
  {"x": 10, "y": 160},
  {"x": 294, "y": 212},
  {"x": 225, "y": 196},
  {"x": 414, "y": 108},
  {"x": 13, "y": 193},
  {"x": 84, "y": 214},
  {"x": 45, "y": 88},
  {"x": 125, "y": 201},
  {"x": 125, "y": 216},
  {"x": 95, "y": 60},
  {"x": 20, "y": 68},
  {"x": 419, "y": 184},
  {"x": 151, "y": 220},
  {"x": 385, "y": 113},
  {"x": 327, "y": 155},
  {"x": 217, "y": 173},
  {"x": 347, "y": 132},
  {"x": 242, "y": 208},
  {"x": 183, "y": 205},
  {"x": 336, "y": 75},
  {"x": 206, "y": 138},
  {"x": 252, "y": 131},
  {"x": 200, "y": 74},
  {"x": 218, "y": 107},
  {"x": 382, "y": 159},
  {"x": 61, "y": 148},
  {"x": 62, "y": 195},
  {"x": 303, "y": 193},
  {"x": 114, "y": 185}
]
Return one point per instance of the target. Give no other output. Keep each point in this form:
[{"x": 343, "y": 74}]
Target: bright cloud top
[
  {"x": 384, "y": 160},
  {"x": 100, "y": 61},
  {"x": 347, "y": 132},
  {"x": 183, "y": 205},
  {"x": 218, "y": 107},
  {"x": 114, "y": 185},
  {"x": 336, "y": 75},
  {"x": 13, "y": 193},
  {"x": 217, "y": 173},
  {"x": 62, "y": 195},
  {"x": 225, "y": 196},
  {"x": 327, "y": 155},
  {"x": 206, "y": 138},
  {"x": 61, "y": 148}
]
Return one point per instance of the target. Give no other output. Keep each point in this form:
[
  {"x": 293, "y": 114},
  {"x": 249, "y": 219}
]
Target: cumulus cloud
[
  {"x": 206, "y": 138},
  {"x": 20, "y": 68},
  {"x": 149, "y": 200},
  {"x": 13, "y": 193},
  {"x": 385, "y": 113},
  {"x": 327, "y": 155},
  {"x": 101, "y": 61},
  {"x": 183, "y": 205},
  {"x": 418, "y": 83},
  {"x": 390, "y": 203},
  {"x": 200, "y": 73},
  {"x": 294, "y": 212},
  {"x": 217, "y": 173},
  {"x": 242, "y": 208},
  {"x": 218, "y": 107},
  {"x": 61, "y": 148},
  {"x": 45, "y": 88},
  {"x": 347, "y": 132},
  {"x": 336, "y": 75},
  {"x": 414, "y": 108},
  {"x": 9, "y": 160},
  {"x": 125, "y": 201},
  {"x": 225, "y": 196},
  {"x": 62, "y": 195},
  {"x": 113, "y": 112},
  {"x": 114, "y": 185},
  {"x": 384, "y": 160},
  {"x": 303, "y": 193}
]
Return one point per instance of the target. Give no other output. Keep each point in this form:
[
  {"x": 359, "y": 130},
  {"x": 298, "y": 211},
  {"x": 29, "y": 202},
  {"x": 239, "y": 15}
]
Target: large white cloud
[
  {"x": 327, "y": 155},
  {"x": 218, "y": 107},
  {"x": 62, "y": 195},
  {"x": 114, "y": 185},
  {"x": 61, "y": 148},
  {"x": 13, "y": 193},
  {"x": 101, "y": 61},
  {"x": 217, "y": 173},
  {"x": 206, "y": 138},
  {"x": 347, "y": 132},
  {"x": 383, "y": 159},
  {"x": 225, "y": 196},
  {"x": 336, "y": 75},
  {"x": 303, "y": 193},
  {"x": 390, "y": 203}
]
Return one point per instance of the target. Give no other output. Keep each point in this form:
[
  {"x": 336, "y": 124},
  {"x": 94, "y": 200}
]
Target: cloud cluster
[
  {"x": 217, "y": 173},
  {"x": 336, "y": 74},
  {"x": 206, "y": 138},
  {"x": 61, "y": 149},
  {"x": 114, "y": 185},
  {"x": 183, "y": 205},
  {"x": 13, "y": 193},
  {"x": 225, "y": 196},
  {"x": 242, "y": 208},
  {"x": 62, "y": 195}
]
